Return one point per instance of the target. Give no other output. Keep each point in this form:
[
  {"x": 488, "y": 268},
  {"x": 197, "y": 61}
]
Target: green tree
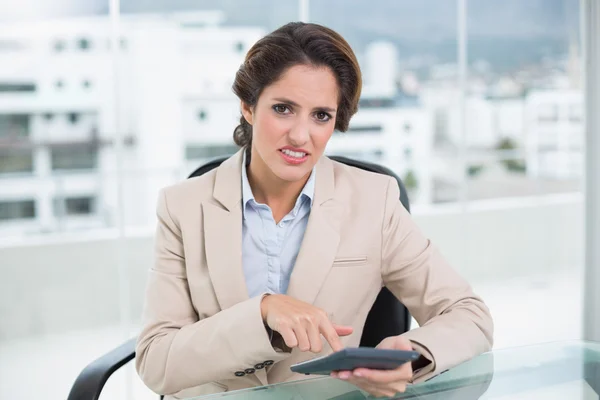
[
  {"x": 410, "y": 180},
  {"x": 474, "y": 170},
  {"x": 511, "y": 165}
]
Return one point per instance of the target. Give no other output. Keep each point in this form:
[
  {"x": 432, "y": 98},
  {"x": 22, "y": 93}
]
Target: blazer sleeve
[
  {"x": 454, "y": 323},
  {"x": 176, "y": 350}
]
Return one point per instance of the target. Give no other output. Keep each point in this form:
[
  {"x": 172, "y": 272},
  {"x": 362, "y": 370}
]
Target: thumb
[
  {"x": 401, "y": 343},
  {"x": 343, "y": 330},
  {"x": 395, "y": 343}
]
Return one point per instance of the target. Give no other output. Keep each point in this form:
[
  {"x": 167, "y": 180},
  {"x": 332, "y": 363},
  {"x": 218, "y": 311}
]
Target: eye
[
  {"x": 322, "y": 116},
  {"x": 281, "y": 109}
]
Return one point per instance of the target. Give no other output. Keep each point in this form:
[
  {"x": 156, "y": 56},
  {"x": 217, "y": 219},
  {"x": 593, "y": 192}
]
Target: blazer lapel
[
  {"x": 223, "y": 234},
  {"x": 321, "y": 238}
]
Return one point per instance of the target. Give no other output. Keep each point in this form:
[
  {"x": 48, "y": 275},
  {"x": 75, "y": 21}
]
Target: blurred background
[{"x": 477, "y": 106}]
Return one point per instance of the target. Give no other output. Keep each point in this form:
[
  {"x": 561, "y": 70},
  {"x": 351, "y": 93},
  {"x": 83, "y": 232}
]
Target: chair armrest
[{"x": 91, "y": 380}]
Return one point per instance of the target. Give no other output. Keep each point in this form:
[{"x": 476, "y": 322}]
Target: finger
[
  {"x": 343, "y": 330},
  {"x": 402, "y": 344},
  {"x": 395, "y": 343},
  {"x": 345, "y": 375},
  {"x": 303, "y": 342},
  {"x": 403, "y": 373},
  {"x": 289, "y": 337},
  {"x": 330, "y": 334},
  {"x": 316, "y": 344}
]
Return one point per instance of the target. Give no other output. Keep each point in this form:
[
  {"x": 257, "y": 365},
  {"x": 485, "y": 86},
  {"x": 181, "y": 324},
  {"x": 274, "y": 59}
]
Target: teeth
[{"x": 295, "y": 154}]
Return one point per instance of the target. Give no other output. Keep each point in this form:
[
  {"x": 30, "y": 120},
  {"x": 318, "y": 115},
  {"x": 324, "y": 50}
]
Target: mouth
[{"x": 293, "y": 157}]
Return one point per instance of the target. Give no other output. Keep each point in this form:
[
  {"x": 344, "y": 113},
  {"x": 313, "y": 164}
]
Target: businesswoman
[{"x": 277, "y": 255}]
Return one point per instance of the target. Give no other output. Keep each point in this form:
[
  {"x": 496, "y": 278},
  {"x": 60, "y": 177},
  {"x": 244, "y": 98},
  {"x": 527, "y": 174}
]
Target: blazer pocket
[{"x": 349, "y": 261}]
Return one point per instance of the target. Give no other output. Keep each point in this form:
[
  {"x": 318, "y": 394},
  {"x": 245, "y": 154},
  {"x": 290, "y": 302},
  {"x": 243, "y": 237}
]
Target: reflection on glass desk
[{"x": 562, "y": 370}]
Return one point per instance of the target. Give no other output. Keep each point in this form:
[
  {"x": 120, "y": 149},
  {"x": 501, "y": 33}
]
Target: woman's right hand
[{"x": 301, "y": 324}]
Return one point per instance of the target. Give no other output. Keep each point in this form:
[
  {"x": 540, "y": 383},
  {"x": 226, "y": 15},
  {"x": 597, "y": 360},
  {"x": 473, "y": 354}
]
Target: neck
[{"x": 269, "y": 189}]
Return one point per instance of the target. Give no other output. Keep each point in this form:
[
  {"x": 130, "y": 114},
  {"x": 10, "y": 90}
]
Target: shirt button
[
  {"x": 268, "y": 362},
  {"x": 249, "y": 371},
  {"x": 259, "y": 366},
  {"x": 240, "y": 373}
]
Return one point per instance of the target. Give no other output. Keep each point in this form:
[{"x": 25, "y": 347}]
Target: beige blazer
[{"x": 200, "y": 327}]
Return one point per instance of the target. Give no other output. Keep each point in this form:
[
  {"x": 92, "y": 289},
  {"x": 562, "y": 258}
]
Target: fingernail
[{"x": 358, "y": 373}]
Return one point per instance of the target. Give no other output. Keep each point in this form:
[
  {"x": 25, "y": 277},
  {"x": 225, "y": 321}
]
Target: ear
[{"x": 247, "y": 112}]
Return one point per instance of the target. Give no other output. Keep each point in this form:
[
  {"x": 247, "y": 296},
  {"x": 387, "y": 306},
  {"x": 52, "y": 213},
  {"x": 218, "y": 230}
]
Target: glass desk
[{"x": 562, "y": 370}]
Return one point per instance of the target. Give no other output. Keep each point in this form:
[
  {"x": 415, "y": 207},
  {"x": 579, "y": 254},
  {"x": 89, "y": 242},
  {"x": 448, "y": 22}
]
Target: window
[
  {"x": 17, "y": 209},
  {"x": 48, "y": 116},
  {"x": 239, "y": 47},
  {"x": 59, "y": 45},
  {"x": 16, "y": 161},
  {"x": 83, "y": 44},
  {"x": 14, "y": 125},
  {"x": 407, "y": 127},
  {"x": 10, "y": 87},
  {"x": 11, "y": 45},
  {"x": 202, "y": 115},
  {"x": 575, "y": 113},
  {"x": 79, "y": 157},
  {"x": 59, "y": 84},
  {"x": 365, "y": 129},
  {"x": 195, "y": 152},
  {"x": 376, "y": 103},
  {"x": 86, "y": 84},
  {"x": 373, "y": 156},
  {"x": 548, "y": 112},
  {"x": 74, "y": 206},
  {"x": 73, "y": 118}
]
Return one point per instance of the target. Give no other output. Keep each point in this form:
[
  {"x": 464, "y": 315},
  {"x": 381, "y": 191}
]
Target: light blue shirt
[{"x": 269, "y": 250}]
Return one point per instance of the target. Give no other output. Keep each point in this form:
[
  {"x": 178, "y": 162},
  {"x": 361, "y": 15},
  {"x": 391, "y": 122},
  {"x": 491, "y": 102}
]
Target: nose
[{"x": 299, "y": 134}]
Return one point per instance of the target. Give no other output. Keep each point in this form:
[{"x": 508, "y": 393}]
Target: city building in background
[
  {"x": 174, "y": 110},
  {"x": 60, "y": 128}
]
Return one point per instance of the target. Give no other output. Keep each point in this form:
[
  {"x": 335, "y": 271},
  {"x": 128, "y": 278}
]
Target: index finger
[{"x": 330, "y": 334}]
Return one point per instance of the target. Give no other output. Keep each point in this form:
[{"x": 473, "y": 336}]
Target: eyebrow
[{"x": 293, "y": 103}]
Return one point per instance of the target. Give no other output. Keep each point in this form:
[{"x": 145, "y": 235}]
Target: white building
[
  {"x": 554, "y": 143},
  {"x": 56, "y": 124},
  {"x": 380, "y": 71},
  {"x": 65, "y": 101},
  {"x": 396, "y": 133},
  {"x": 486, "y": 121}
]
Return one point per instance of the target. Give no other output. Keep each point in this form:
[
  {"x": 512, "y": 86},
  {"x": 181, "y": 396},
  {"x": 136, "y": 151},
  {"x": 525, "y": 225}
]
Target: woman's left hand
[{"x": 378, "y": 382}]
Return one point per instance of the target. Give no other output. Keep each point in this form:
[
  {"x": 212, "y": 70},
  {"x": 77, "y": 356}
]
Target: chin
[{"x": 292, "y": 174}]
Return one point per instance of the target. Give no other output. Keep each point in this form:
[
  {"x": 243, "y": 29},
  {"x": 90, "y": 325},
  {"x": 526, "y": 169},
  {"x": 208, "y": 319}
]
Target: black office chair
[{"x": 387, "y": 317}]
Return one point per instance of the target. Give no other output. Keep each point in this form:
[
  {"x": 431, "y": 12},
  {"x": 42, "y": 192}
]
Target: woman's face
[{"x": 293, "y": 121}]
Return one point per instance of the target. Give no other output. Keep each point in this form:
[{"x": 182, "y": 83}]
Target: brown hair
[{"x": 293, "y": 44}]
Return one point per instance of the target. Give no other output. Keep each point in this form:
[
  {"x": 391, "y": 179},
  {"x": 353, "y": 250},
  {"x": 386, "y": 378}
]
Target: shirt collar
[{"x": 307, "y": 192}]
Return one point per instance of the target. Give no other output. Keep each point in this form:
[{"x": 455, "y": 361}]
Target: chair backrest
[{"x": 387, "y": 317}]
